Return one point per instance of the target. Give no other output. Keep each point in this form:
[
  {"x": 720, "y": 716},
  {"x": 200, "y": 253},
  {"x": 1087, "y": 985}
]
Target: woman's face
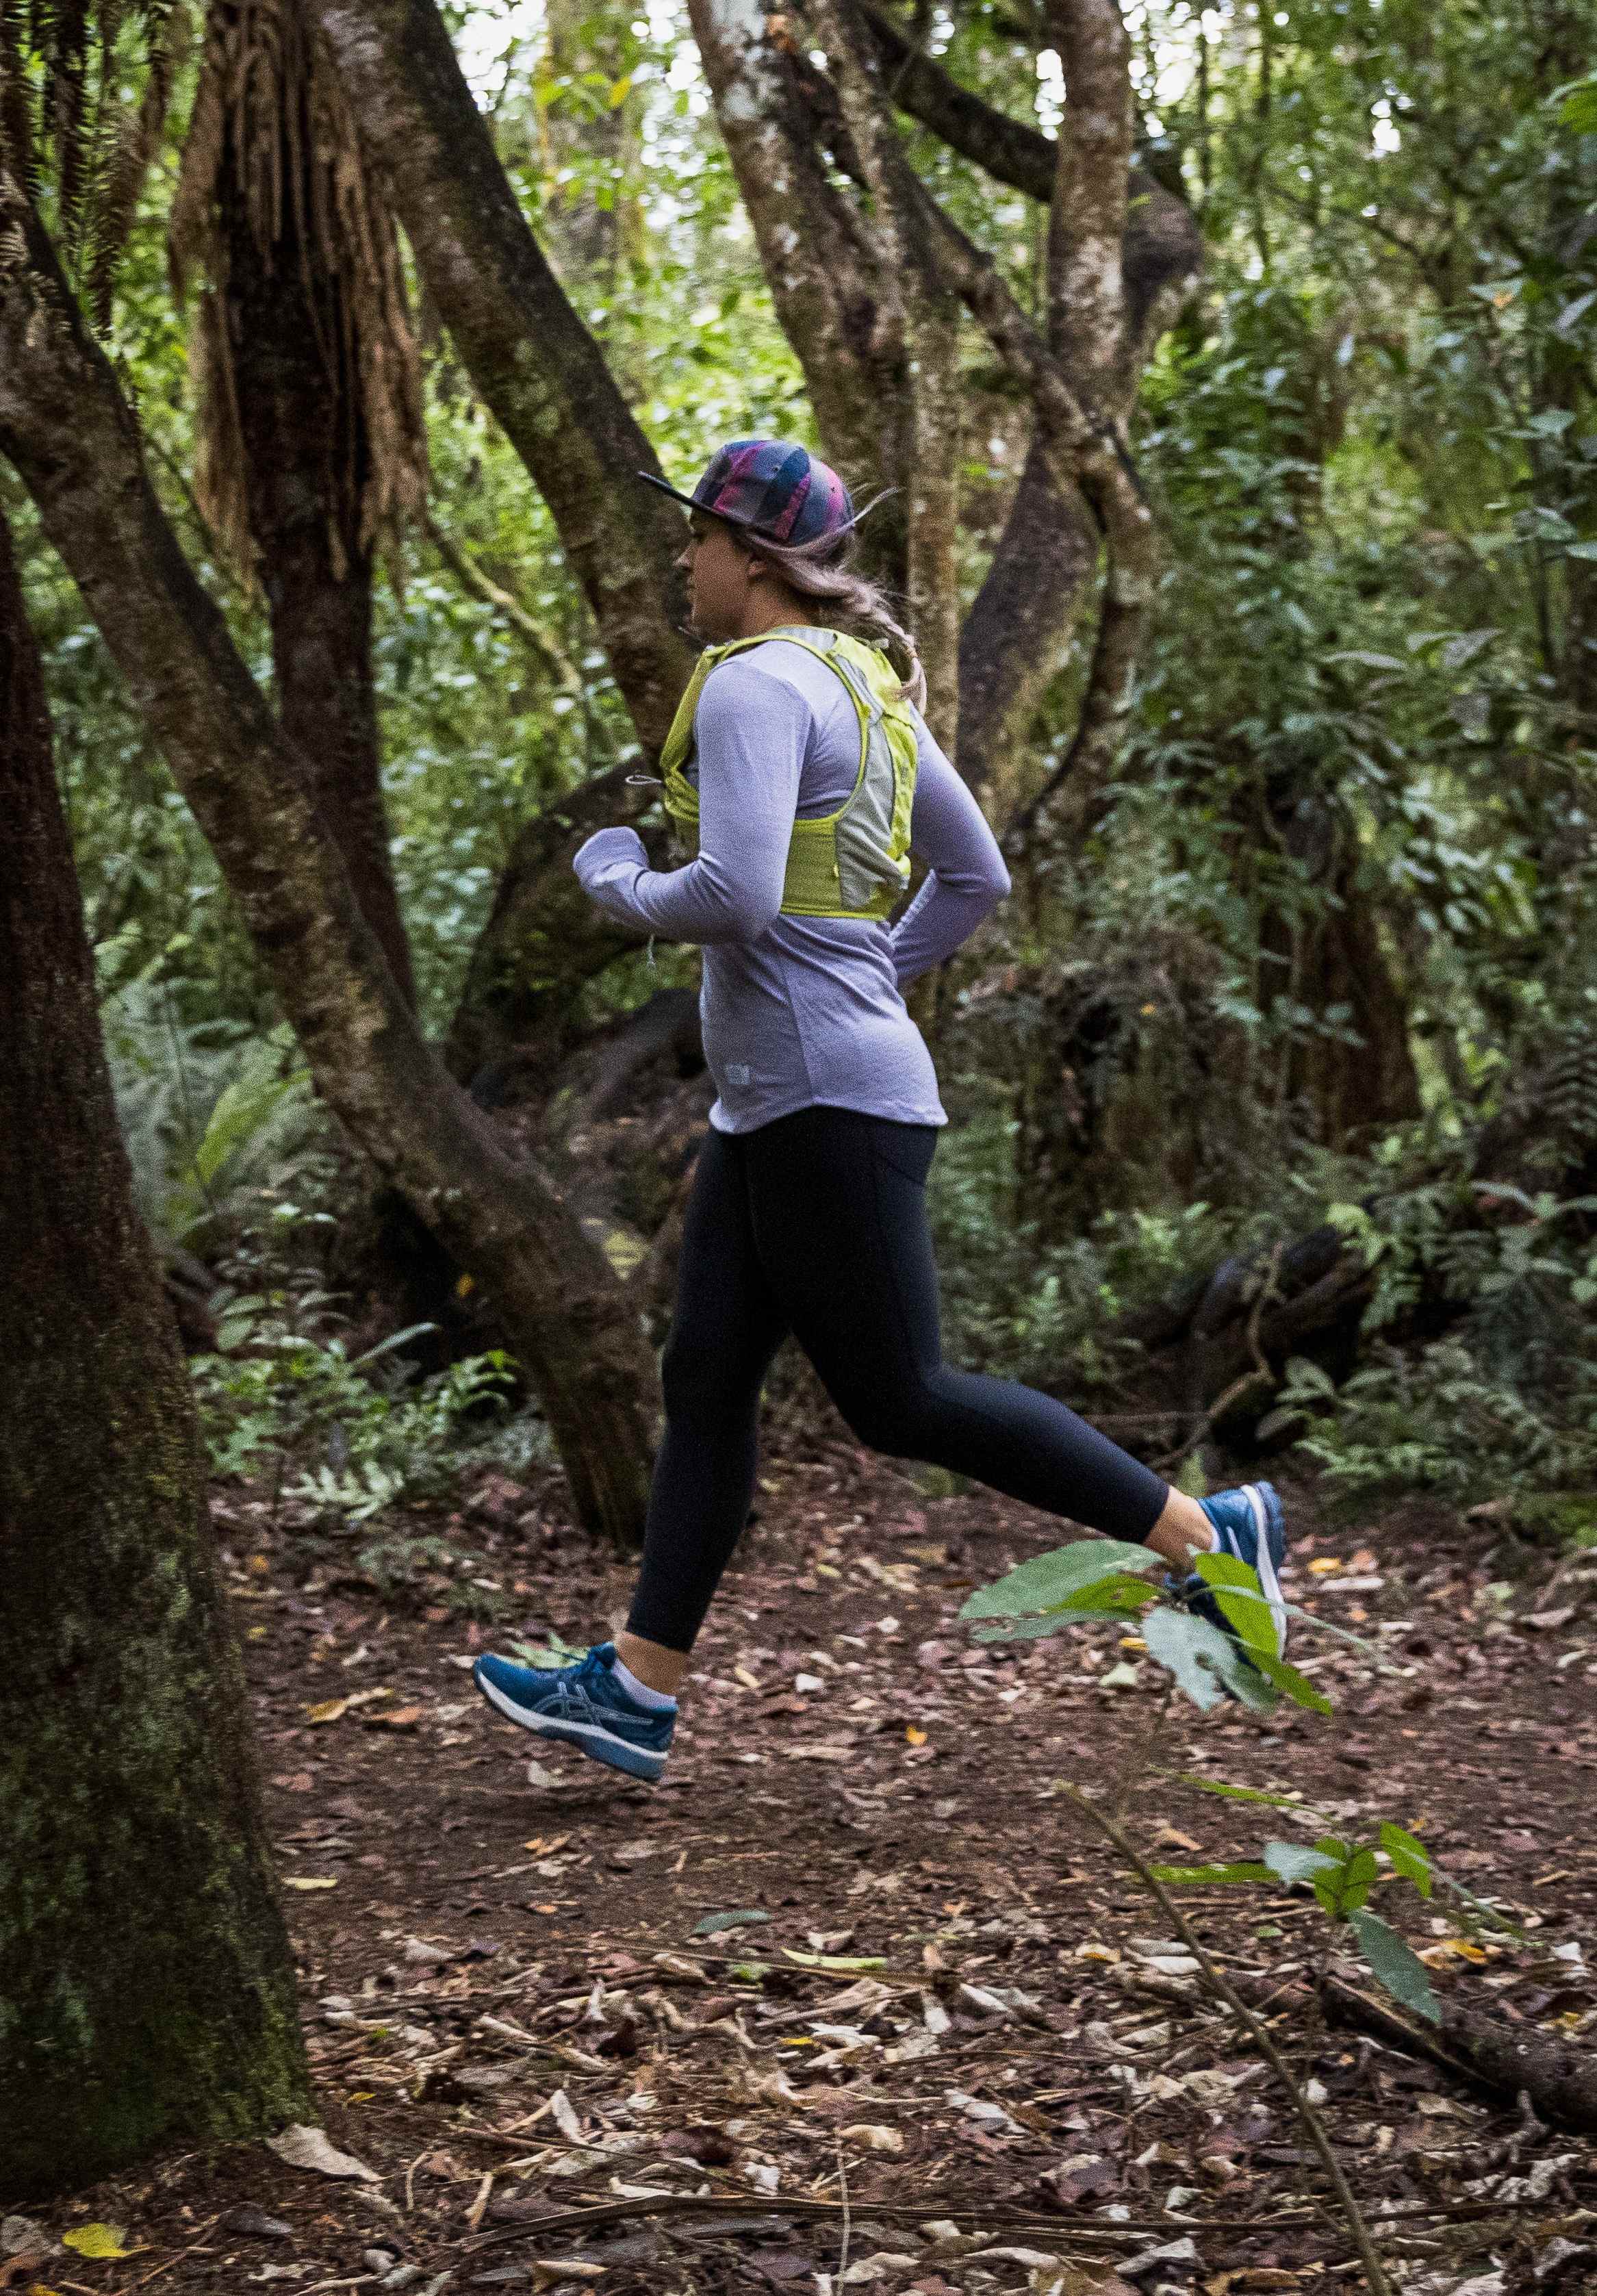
[{"x": 719, "y": 578}]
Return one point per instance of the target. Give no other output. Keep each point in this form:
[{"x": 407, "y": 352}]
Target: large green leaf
[
  {"x": 1396, "y": 1965},
  {"x": 1236, "y": 1589},
  {"x": 1048, "y": 1582},
  {"x": 1205, "y": 1662},
  {"x": 1294, "y": 1861},
  {"x": 1297, "y": 1686}
]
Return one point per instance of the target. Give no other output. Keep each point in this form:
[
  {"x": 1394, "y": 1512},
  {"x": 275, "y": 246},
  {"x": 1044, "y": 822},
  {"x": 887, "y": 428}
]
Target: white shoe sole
[
  {"x": 1269, "y": 1585},
  {"x": 588, "y": 1736}
]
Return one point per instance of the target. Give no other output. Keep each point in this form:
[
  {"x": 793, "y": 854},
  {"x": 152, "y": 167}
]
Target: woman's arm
[
  {"x": 966, "y": 878},
  {"x": 750, "y": 732}
]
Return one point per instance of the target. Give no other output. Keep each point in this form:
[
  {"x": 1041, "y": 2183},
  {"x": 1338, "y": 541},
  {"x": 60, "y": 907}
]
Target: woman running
[{"x": 800, "y": 769}]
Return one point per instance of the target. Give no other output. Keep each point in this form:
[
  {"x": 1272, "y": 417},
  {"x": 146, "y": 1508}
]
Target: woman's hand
[{"x": 607, "y": 849}]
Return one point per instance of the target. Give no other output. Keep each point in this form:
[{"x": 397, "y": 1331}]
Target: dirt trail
[{"x": 496, "y": 2034}]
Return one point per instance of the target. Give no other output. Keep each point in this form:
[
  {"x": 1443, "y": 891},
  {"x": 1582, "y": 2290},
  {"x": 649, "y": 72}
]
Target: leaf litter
[{"x": 962, "y": 2060}]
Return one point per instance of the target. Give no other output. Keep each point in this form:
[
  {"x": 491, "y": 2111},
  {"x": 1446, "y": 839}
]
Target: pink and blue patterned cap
[{"x": 779, "y": 491}]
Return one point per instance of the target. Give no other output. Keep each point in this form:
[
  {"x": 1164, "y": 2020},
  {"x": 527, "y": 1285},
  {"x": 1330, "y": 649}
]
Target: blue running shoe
[
  {"x": 1250, "y": 1524},
  {"x": 585, "y": 1705}
]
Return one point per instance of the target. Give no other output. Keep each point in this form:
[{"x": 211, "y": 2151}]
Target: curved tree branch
[{"x": 527, "y": 351}]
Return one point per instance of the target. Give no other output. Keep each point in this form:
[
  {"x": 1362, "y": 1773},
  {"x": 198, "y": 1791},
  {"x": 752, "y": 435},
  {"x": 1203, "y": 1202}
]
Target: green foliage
[
  {"x": 287, "y": 1400},
  {"x": 1098, "y": 1578},
  {"x": 212, "y": 1116}
]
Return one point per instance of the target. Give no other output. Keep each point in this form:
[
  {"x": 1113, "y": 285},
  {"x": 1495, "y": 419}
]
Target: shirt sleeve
[
  {"x": 750, "y": 732},
  {"x": 966, "y": 878}
]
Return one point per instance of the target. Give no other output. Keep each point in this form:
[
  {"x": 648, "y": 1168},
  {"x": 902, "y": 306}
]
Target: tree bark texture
[
  {"x": 65, "y": 425},
  {"x": 303, "y": 430},
  {"x": 837, "y": 305},
  {"x": 146, "y": 1985},
  {"x": 527, "y": 351}
]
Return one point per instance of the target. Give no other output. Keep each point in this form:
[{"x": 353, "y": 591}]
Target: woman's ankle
[{"x": 651, "y": 1665}]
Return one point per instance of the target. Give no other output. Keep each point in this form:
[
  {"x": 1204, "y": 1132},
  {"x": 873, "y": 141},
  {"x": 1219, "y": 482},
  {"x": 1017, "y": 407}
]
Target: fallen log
[{"x": 1504, "y": 2060}]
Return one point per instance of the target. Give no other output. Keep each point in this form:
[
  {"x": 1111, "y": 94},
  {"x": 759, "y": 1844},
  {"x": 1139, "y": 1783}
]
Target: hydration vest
[{"x": 855, "y": 862}]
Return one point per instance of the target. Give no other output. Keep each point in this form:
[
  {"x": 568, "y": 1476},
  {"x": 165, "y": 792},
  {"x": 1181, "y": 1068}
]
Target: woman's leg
[
  {"x": 838, "y": 1208},
  {"x": 725, "y": 1329}
]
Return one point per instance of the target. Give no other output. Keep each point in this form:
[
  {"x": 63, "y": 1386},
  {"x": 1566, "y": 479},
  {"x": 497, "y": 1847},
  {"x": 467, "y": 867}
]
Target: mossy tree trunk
[
  {"x": 146, "y": 1987},
  {"x": 73, "y": 438}
]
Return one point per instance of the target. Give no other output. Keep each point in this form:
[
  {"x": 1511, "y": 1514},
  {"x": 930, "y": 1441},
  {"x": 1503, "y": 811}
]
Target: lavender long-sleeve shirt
[{"x": 799, "y": 1012}]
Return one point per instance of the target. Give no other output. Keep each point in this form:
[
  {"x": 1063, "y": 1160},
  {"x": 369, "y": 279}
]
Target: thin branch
[
  {"x": 1318, "y": 2135},
  {"x": 472, "y": 576}
]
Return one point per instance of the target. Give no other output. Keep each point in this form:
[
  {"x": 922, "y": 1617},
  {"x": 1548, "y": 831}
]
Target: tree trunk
[
  {"x": 66, "y": 426},
  {"x": 302, "y": 425},
  {"x": 526, "y": 349},
  {"x": 149, "y": 1990},
  {"x": 591, "y": 53}
]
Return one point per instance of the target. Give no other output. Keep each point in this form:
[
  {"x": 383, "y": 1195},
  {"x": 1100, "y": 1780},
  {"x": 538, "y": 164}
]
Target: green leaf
[
  {"x": 714, "y": 1923},
  {"x": 1239, "y": 1794},
  {"x": 1192, "y": 1874},
  {"x": 839, "y": 1961},
  {"x": 1355, "y": 1883},
  {"x": 1409, "y": 1857},
  {"x": 1241, "y": 1597},
  {"x": 1291, "y": 1861},
  {"x": 1020, "y": 1630},
  {"x": 1297, "y": 1686},
  {"x": 1396, "y": 1964},
  {"x": 1048, "y": 1582},
  {"x": 1204, "y": 1661}
]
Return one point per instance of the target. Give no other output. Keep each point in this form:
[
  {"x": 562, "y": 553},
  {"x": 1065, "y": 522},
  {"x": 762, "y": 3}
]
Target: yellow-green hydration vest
[{"x": 855, "y": 862}]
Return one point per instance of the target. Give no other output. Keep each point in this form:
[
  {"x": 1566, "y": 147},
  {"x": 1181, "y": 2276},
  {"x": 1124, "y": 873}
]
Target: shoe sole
[
  {"x": 587, "y": 1737},
  {"x": 1269, "y": 1583}
]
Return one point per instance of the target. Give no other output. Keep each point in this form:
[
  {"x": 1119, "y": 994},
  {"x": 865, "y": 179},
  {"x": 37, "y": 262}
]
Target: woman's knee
[
  {"x": 894, "y": 1420},
  {"x": 696, "y": 1380}
]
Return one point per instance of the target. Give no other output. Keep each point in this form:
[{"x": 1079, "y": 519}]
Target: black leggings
[{"x": 816, "y": 1225}]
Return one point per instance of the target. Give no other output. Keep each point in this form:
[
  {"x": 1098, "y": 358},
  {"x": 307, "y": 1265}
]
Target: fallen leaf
[
  {"x": 331, "y": 1709},
  {"x": 310, "y": 1882},
  {"x": 15, "y": 2267},
  {"x": 18, "y": 2234},
  {"x": 403, "y": 1718},
  {"x": 309, "y": 2148},
  {"x": 914, "y": 1734},
  {"x": 97, "y": 2240},
  {"x": 874, "y": 2138}
]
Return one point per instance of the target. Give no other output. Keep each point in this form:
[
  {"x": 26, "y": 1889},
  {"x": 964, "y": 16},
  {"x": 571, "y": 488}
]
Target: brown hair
[{"x": 820, "y": 571}]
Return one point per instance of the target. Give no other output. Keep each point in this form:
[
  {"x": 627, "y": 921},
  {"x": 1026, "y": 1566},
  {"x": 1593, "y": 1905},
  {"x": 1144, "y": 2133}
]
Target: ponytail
[{"x": 820, "y": 570}]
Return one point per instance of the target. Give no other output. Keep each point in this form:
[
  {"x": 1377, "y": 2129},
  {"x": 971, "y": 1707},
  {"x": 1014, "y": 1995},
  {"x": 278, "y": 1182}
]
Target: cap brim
[{"x": 727, "y": 518}]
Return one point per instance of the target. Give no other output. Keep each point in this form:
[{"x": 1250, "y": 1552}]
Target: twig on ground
[
  {"x": 847, "y": 2219},
  {"x": 1318, "y": 2135}
]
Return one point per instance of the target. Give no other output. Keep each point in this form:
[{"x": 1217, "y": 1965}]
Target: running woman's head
[{"x": 771, "y": 532}]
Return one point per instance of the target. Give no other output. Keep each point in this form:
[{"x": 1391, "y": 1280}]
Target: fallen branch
[
  {"x": 1477, "y": 2050},
  {"x": 1487, "y": 2054},
  {"x": 1064, "y": 2225}
]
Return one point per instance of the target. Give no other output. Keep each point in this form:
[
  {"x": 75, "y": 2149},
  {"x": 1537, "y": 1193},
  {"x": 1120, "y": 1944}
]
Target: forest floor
[{"x": 993, "y": 2072}]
